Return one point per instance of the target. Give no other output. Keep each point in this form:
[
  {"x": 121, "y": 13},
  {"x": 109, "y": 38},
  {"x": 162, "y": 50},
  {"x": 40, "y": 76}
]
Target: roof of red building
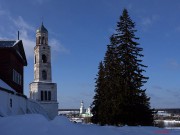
[{"x": 16, "y": 46}]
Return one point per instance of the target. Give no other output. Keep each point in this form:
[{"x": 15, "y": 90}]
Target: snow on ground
[{"x": 34, "y": 124}]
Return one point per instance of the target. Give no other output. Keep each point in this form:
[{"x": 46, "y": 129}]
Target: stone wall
[{"x": 12, "y": 103}]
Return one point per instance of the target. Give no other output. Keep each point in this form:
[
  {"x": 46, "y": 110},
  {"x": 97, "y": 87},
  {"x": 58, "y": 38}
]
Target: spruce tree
[
  {"x": 136, "y": 104},
  {"x": 97, "y": 105},
  {"x": 120, "y": 98},
  {"x": 103, "y": 106},
  {"x": 113, "y": 82}
]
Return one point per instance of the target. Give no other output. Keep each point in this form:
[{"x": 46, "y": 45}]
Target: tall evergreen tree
[
  {"x": 122, "y": 99},
  {"x": 136, "y": 104},
  {"x": 97, "y": 104},
  {"x": 106, "y": 84}
]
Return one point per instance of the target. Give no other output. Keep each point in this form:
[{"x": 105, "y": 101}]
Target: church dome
[{"x": 42, "y": 29}]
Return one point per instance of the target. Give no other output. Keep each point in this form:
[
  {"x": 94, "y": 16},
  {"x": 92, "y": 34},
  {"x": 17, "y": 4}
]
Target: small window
[
  {"x": 44, "y": 75},
  {"x": 45, "y": 95},
  {"x": 43, "y": 41},
  {"x": 44, "y": 58},
  {"x": 17, "y": 77},
  {"x": 39, "y": 40},
  {"x": 30, "y": 94},
  {"x": 49, "y": 95},
  {"x": 35, "y": 59},
  {"x": 10, "y": 102},
  {"x": 42, "y": 97}
]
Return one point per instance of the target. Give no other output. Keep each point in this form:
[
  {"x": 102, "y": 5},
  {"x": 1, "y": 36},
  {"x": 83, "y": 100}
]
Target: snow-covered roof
[
  {"x": 6, "y": 86},
  {"x": 7, "y": 43}
]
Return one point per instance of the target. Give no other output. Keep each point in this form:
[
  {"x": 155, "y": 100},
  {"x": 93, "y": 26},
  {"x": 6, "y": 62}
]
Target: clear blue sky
[{"x": 79, "y": 31}]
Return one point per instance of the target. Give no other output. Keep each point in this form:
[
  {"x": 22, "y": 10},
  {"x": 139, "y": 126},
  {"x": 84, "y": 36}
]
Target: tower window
[
  {"x": 39, "y": 40},
  {"x": 30, "y": 94},
  {"x": 44, "y": 75},
  {"x": 35, "y": 59},
  {"x": 42, "y": 97},
  {"x": 44, "y": 58},
  {"x": 49, "y": 95},
  {"x": 45, "y": 95},
  {"x": 43, "y": 40},
  {"x": 46, "y": 41}
]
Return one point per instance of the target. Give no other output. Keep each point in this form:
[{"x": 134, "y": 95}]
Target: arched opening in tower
[
  {"x": 44, "y": 75},
  {"x": 44, "y": 58}
]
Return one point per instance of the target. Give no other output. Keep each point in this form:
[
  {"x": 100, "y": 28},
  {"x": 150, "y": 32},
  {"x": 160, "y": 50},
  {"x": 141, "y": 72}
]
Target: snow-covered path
[{"x": 34, "y": 124}]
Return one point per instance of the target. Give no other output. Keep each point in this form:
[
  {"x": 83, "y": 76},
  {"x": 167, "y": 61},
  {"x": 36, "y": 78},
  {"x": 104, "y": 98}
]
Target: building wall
[
  {"x": 51, "y": 106},
  {"x": 37, "y": 87},
  {"x": 13, "y": 104},
  {"x": 8, "y": 62}
]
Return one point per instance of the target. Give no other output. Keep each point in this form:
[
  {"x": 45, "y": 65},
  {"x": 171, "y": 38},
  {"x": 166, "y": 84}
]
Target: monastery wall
[{"x": 12, "y": 103}]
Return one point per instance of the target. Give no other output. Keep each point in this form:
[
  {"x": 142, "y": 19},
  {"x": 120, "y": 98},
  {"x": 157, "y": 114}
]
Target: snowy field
[{"x": 34, "y": 124}]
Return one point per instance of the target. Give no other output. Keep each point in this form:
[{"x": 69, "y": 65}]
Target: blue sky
[{"x": 79, "y": 31}]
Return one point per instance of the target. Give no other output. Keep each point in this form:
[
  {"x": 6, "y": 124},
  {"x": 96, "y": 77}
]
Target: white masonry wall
[
  {"x": 13, "y": 104},
  {"x": 51, "y": 106},
  {"x": 37, "y": 87}
]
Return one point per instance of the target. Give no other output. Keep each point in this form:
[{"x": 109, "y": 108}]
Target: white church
[
  {"x": 84, "y": 112},
  {"x": 42, "y": 89}
]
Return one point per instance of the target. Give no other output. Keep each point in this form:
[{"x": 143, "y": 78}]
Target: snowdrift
[{"x": 34, "y": 124}]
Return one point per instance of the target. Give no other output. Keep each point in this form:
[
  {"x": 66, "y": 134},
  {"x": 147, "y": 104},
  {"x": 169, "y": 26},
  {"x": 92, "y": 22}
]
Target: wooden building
[{"x": 12, "y": 62}]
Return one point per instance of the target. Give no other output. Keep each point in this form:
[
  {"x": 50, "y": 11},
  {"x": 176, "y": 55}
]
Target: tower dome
[
  {"x": 42, "y": 35},
  {"x": 42, "y": 29}
]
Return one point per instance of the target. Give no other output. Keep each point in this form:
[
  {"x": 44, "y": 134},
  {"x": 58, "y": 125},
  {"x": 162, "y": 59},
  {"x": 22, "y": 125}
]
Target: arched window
[
  {"x": 44, "y": 58},
  {"x": 30, "y": 94},
  {"x": 49, "y": 95},
  {"x": 35, "y": 59},
  {"x": 42, "y": 40},
  {"x": 39, "y": 40},
  {"x": 42, "y": 97},
  {"x": 46, "y": 41},
  {"x": 45, "y": 95},
  {"x": 44, "y": 75}
]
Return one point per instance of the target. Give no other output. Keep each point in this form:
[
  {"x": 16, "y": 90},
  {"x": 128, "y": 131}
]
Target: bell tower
[
  {"x": 42, "y": 89},
  {"x": 42, "y": 56}
]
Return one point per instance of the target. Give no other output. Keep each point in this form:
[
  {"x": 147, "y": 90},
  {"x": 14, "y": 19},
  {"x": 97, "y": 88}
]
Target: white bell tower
[
  {"x": 82, "y": 110},
  {"x": 42, "y": 89}
]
